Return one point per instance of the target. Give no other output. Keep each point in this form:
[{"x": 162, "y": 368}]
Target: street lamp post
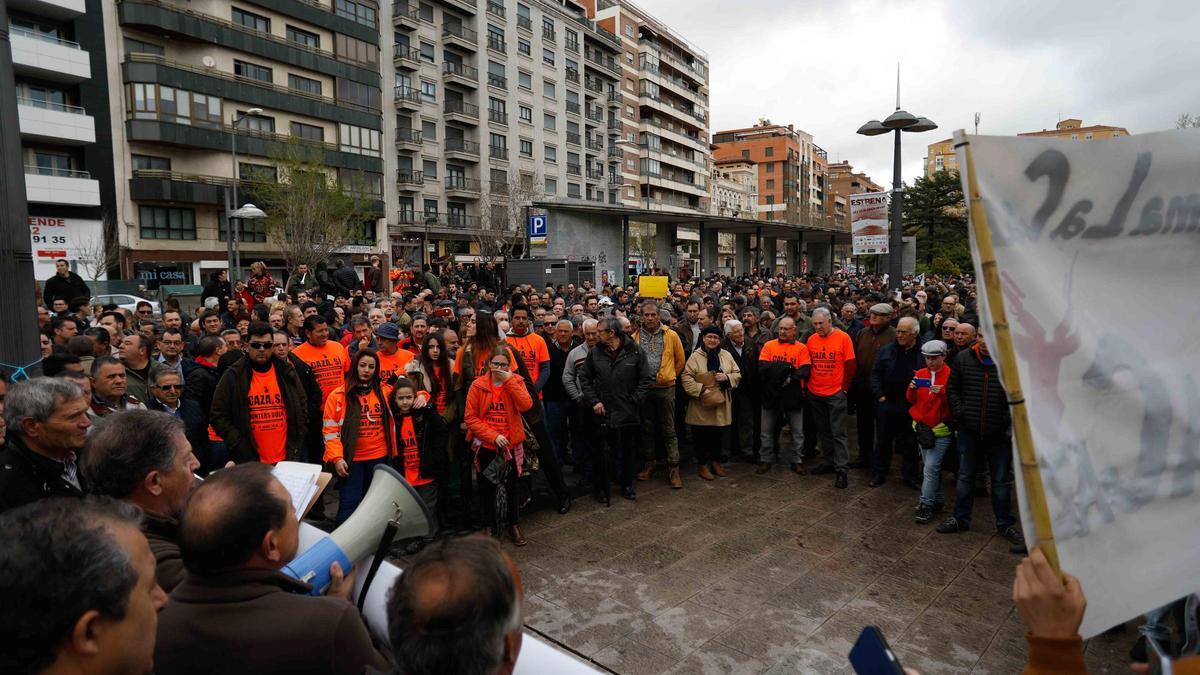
[
  {"x": 247, "y": 212},
  {"x": 425, "y": 257},
  {"x": 898, "y": 121},
  {"x": 232, "y": 250}
]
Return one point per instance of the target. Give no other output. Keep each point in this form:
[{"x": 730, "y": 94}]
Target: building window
[
  {"x": 527, "y": 114},
  {"x": 526, "y": 148},
  {"x": 524, "y": 47},
  {"x": 629, "y": 28},
  {"x": 427, "y": 52},
  {"x": 551, "y": 153},
  {"x": 430, "y": 207},
  {"x": 358, "y": 93},
  {"x": 359, "y": 140},
  {"x": 770, "y": 199},
  {"x": 429, "y": 168},
  {"x": 347, "y": 47},
  {"x": 428, "y": 130},
  {"x": 428, "y": 91},
  {"x": 304, "y": 84},
  {"x": 495, "y": 38},
  {"x": 258, "y": 173},
  {"x": 551, "y": 186},
  {"x": 308, "y": 132},
  {"x": 769, "y": 152},
  {"x": 303, "y": 37},
  {"x": 425, "y": 13},
  {"x": 572, "y": 40},
  {"x": 138, "y": 46},
  {"x": 149, "y": 163},
  {"x": 258, "y": 123},
  {"x": 498, "y": 141},
  {"x": 251, "y": 20},
  {"x": 524, "y": 80},
  {"x": 357, "y": 12},
  {"x": 573, "y": 190},
  {"x": 549, "y": 122},
  {"x": 770, "y": 166},
  {"x": 745, "y": 154},
  {"x": 548, "y": 89},
  {"x": 771, "y": 184},
  {"x": 164, "y": 223},
  {"x": 497, "y": 76},
  {"x": 548, "y": 56},
  {"x": 251, "y": 71}
]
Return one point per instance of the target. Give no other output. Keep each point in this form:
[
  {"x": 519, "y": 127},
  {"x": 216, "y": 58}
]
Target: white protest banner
[
  {"x": 1096, "y": 248},
  {"x": 869, "y": 223}
]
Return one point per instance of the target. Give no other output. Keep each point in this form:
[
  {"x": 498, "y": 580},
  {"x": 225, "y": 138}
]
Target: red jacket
[
  {"x": 479, "y": 398},
  {"x": 928, "y": 407}
]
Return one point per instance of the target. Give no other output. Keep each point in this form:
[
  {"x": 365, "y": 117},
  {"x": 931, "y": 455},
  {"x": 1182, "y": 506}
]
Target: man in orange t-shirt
[
  {"x": 833, "y": 366},
  {"x": 328, "y": 360},
  {"x": 531, "y": 346}
]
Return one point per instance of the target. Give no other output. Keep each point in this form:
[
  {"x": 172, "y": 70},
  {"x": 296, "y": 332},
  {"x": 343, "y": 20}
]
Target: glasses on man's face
[
  {"x": 170, "y": 387},
  {"x": 260, "y": 345},
  {"x": 499, "y": 365}
]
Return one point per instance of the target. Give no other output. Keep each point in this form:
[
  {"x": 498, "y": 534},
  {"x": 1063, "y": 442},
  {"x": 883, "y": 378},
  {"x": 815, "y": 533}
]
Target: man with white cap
[{"x": 930, "y": 413}]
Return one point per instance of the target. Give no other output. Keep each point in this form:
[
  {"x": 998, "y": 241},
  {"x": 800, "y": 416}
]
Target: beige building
[
  {"x": 843, "y": 182},
  {"x": 1074, "y": 130},
  {"x": 940, "y": 157},
  {"x": 734, "y": 189}
]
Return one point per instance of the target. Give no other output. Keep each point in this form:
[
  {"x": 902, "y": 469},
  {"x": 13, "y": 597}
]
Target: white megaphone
[{"x": 389, "y": 501}]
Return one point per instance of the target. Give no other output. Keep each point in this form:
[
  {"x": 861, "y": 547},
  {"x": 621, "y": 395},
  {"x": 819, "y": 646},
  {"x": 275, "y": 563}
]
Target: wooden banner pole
[{"x": 1035, "y": 492}]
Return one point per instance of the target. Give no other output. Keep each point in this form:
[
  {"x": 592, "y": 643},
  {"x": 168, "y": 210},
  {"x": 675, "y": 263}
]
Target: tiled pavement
[{"x": 774, "y": 574}]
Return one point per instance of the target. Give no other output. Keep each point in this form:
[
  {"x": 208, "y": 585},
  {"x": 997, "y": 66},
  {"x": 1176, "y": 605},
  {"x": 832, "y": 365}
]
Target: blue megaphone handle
[{"x": 312, "y": 566}]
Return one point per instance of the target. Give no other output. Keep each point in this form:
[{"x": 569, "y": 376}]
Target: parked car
[{"x": 125, "y": 301}]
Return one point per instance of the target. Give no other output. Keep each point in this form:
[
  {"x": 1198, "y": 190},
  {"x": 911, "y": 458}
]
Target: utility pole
[{"x": 19, "y": 342}]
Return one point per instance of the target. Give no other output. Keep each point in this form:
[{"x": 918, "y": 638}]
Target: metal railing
[
  {"x": 615, "y": 96},
  {"x": 574, "y": 169},
  {"x": 595, "y": 144},
  {"x": 548, "y": 34},
  {"x": 573, "y": 107},
  {"x": 51, "y": 105},
  {"x": 595, "y": 174},
  {"x": 55, "y": 171},
  {"x": 496, "y": 9},
  {"x": 400, "y": 53},
  {"x": 202, "y": 179},
  {"x": 461, "y": 107},
  {"x": 497, "y": 116},
  {"x": 525, "y": 22},
  {"x": 404, "y": 177},
  {"x": 35, "y": 35},
  {"x": 573, "y": 75},
  {"x": 462, "y": 32},
  {"x": 408, "y": 94},
  {"x": 572, "y": 45},
  {"x": 463, "y": 183},
  {"x": 462, "y": 145},
  {"x": 598, "y": 59},
  {"x": 461, "y": 69},
  {"x": 403, "y": 10},
  {"x": 409, "y": 136},
  {"x": 497, "y": 152},
  {"x": 497, "y": 43},
  {"x": 497, "y": 81},
  {"x": 593, "y": 85},
  {"x": 594, "y": 114},
  {"x": 574, "y": 138}
]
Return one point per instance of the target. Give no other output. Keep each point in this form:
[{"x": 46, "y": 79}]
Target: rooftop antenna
[{"x": 897, "y": 85}]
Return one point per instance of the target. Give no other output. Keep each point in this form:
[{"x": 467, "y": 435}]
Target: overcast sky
[{"x": 1023, "y": 64}]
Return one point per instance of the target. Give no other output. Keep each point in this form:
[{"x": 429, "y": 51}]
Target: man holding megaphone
[{"x": 237, "y": 612}]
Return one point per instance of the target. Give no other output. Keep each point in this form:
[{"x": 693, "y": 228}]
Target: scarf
[{"x": 714, "y": 359}]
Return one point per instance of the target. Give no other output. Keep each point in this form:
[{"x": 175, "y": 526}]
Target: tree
[
  {"x": 1187, "y": 120},
  {"x": 97, "y": 255},
  {"x": 311, "y": 214},
  {"x": 502, "y": 213},
  {"x": 641, "y": 243},
  {"x": 935, "y": 213}
]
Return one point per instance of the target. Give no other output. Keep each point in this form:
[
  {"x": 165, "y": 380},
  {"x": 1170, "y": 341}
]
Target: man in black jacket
[
  {"x": 979, "y": 408},
  {"x": 64, "y": 285},
  {"x": 200, "y": 386},
  {"x": 747, "y": 403},
  {"x": 166, "y": 395},
  {"x": 47, "y": 426},
  {"x": 345, "y": 278},
  {"x": 615, "y": 378},
  {"x": 890, "y": 376},
  {"x": 268, "y": 424}
]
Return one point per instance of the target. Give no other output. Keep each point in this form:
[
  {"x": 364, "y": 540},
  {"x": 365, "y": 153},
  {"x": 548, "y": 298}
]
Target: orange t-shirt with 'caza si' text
[
  {"x": 268, "y": 417},
  {"x": 329, "y": 363},
  {"x": 829, "y": 356},
  {"x": 411, "y": 453}
]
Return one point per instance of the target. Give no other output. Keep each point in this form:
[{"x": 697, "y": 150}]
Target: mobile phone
[
  {"x": 922, "y": 382},
  {"x": 871, "y": 654},
  {"x": 1160, "y": 660}
]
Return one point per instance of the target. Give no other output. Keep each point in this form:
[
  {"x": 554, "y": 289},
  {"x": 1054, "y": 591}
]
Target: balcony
[
  {"x": 572, "y": 45},
  {"x": 574, "y": 138},
  {"x": 677, "y": 134},
  {"x": 406, "y": 16},
  {"x": 461, "y": 74},
  {"x": 614, "y": 180},
  {"x": 465, "y": 5},
  {"x": 595, "y": 174},
  {"x": 44, "y": 185},
  {"x": 573, "y": 107},
  {"x": 496, "y": 9},
  {"x": 615, "y": 151},
  {"x": 61, "y": 10},
  {"x": 152, "y": 185},
  {"x": 497, "y": 44},
  {"x": 525, "y": 23},
  {"x": 596, "y": 144},
  {"x": 463, "y": 186},
  {"x": 48, "y": 122},
  {"x": 461, "y": 111},
  {"x": 406, "y": 59},
  {"x": 498, "y": 152},
  {"x": 593, "y": 85},
  {"x": 461, "y": 36},
  {"x": 498, "y": 81},
  {"x": 594, "y": 114},
  {"x": 548, "y": 35},
  {"x": 409, "y": 181},
  {"x": 615, "y": 125},
  {"x": 462, "y": 149},
  {"x": 574, "y": 170},
  {"x": 407, "y": 98},
  {"x": 615, "y": 99},
  {"x": 497, "y": 117},
  {"x": 607, "y": 64},
  {"x": 38, "y": 55},
  {"x": 409, "y": 139}
]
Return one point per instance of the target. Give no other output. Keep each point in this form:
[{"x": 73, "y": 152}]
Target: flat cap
[{"x": 882, "y": 309}]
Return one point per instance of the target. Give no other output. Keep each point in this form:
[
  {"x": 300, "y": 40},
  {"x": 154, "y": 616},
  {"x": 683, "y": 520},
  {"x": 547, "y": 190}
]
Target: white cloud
[{"x": 1023, "y": 64}]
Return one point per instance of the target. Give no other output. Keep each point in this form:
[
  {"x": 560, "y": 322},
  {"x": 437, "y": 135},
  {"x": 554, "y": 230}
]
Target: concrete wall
[{"x": 586, "y": 237}]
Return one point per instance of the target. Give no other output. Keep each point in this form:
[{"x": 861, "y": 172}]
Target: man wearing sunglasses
[{"x": 166, "y": 395}]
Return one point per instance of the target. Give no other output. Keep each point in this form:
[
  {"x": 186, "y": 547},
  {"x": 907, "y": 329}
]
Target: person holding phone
[{"x": 930, "y": 412}]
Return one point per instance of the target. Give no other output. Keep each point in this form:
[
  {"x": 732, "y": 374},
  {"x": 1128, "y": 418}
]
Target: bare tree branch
[
  {"x": 98, "y": 254},
  {"x": 503, "y": 212}
]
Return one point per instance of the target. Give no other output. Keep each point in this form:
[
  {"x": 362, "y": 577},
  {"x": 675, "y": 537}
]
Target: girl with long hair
[
  {"x": 420, "y": 434},
  {"x": 358, "y": 430},
  {"x": 432, "y": 372}
]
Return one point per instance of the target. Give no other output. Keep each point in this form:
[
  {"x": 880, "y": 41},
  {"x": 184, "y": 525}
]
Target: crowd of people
[{"x": 475, "y": 391}]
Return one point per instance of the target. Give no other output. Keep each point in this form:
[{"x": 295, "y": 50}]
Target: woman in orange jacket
[
  {"x": 497, "y": 436},
  {"x": 358, "y": 430}
]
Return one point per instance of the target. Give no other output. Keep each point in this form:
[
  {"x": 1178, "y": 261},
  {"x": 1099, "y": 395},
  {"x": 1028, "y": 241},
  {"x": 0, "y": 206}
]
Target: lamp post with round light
[
  {"x": 232, "y": 249},
  {"x": 896, "y": 122}
]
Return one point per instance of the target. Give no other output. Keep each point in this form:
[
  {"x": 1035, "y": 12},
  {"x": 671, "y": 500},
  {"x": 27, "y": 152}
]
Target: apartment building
[
  {"x": 783, "y": 174},
  {"x": 734, "y": 188},
  {"x": 58, "y": 132},
  {"x": 940, "y": 156},
  {"x": 494, "y": 104},
  {"x": 188, "y": 80},
  {"x": 1074, "y": 130},
  {"x": 663, "y": 110}
]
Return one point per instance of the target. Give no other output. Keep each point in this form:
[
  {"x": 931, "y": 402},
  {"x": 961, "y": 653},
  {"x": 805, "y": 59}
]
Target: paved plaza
[{"x": 775, "y": 574}]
